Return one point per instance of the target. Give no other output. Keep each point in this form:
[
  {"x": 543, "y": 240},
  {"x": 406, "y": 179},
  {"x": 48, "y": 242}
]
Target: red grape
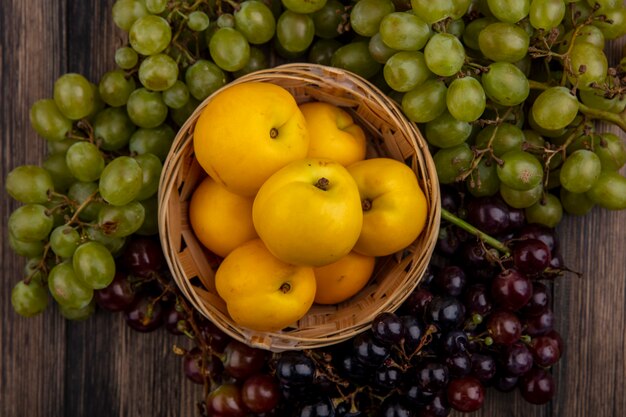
[
  {"x": 537, "y": 386},
  {"x": 504, "y": 327},
  {"x": 260, "y": 393},
  {"x": 466, "y": 394}
]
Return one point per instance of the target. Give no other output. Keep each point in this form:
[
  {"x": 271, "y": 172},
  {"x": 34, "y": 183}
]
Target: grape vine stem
[{"x": 493, "y": 242}]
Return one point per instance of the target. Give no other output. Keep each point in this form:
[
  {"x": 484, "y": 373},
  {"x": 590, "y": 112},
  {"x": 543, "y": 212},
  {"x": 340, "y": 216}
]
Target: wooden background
[{"x": 50, "y": 367}]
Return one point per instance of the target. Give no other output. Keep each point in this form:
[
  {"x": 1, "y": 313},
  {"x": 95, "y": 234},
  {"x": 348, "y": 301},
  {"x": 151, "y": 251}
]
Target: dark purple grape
[
  {"x": 142, "y": 256},
  {"x": 225, "y": 400},
  {"x": 459, "y": 364},
  {"x": 539, "y": 301},
  {"x": 417, "y": 396},
  {"x": 505, "y": 383},
  {"x": 531, "y": 256},
  {"x": 511, "y": 289},
  {"x": 517, "y": 218},
  {"x": 540, "y": 324},
  {"x": 319, "y": 407},
  {"x": 368, "y": 351},
  {"x": 483, "y": 367},
  {"x": 242, "y": 361},
  {"x": 144, "y": 315},
  {"x": 451, "y": 280},
  {"x": 118, "y": 296},
  {"x": 477, "y": 300},
  {"x": 438, "y": 407},
  {"x": 413, "y": 332},
  {"x": 504, "y": 327},
  {"x": 446, "y": 312},
  {"x": 517, "y": 359},
  {"x": 455, "y": 341},
  {"x": 432, "y": 376},
  {"x": 388, "y": 377},
  {"x": 387, "y": 328},
  {"x": 450, "y": 199},
  {"x": 542, "y": 233},
  {"x": 466, "y": 394},
  {"x": 351, "y": 368},
  {"x": 417, "y": 302},
  {"x": 175, "y": 320},
  {"x": 260, "y": 393},
  {"x": 396, "y": 406},
  {"x": 489, "y": 214},
  {"x": 545, "y": 351},
  {"x": 448, "y": 242},
  {"x": 212, "y": 335},
  {"x": 473, "y": 254},
  {"x": 429, "y": 276},
  {"x": 537, "y": 386},
  {"x": 198, "y": 367},
  {"x": 556, "y": 336},
  {"x": 556, "y": 261}
]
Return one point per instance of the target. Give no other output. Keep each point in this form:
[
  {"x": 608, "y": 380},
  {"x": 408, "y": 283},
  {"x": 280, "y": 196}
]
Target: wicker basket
[{"x": 389, "y": 134}]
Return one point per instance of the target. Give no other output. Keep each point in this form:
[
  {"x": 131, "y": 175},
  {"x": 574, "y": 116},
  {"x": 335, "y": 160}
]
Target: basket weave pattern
[{"x": 389, "y": 134}]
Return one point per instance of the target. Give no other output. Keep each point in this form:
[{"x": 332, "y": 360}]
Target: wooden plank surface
[{"x": 50, "y": 367}]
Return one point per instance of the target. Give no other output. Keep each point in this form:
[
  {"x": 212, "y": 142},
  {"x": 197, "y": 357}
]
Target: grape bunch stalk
[{"x": 507, "y": 95}]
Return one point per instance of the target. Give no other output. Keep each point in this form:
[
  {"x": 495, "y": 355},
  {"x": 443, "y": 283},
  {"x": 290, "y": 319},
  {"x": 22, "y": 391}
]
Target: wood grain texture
[{"x": 50, "y": 367}]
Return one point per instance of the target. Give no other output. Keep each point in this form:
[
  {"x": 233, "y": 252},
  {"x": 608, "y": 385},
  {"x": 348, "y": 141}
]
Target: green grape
[
  {"x": 510, "y": 11},
  {"x": 303, "y": 6},
  {"x": 322, "y": 51},
  {"x": 483, "y": 181},
  {"x": 505, "y": 84},
  {"x": 446, "y": 132},
  {"x": 84, "y": 161},
  {"x": 61, "y": 146},
  {"x": 406, "y": 70},
  {"x": 126, "y": 12},
  {"x": 549, "y": 133},
  {"x": 433, "y": 11},
  {"x": 548, "y": 211},
  {"x": 113, "y": 244},
  {"x": 466, "y": 99},
  {"x": 176, "y": 96},
  {"x": 180, "y": 116},
  {"x": 295, "y": 32},
  {"x": 78, "y": 314},
  {"x": 158, "y": 72},
  {"x": 64, "y": 240},
  {"x": 113, "y": 128},
  {"x": 94, "y": 265},
  {"x": 456, "y": 28},
  {"x": 150, "y": 35},
  {"x": 555, "y": 108},
  {"x": 329, "y": 20},
  {"x": 460, "y": 8},
  {"x": 66, "y": 288},
  {"x": 121, "y": 181},
  {"x": 521, "y": 199},
  {"x": 203, "y": 78},
  {"x": 444, "y": 54},
  {"x": 151, "y": 173},
  {"x": 98, "y": 105},
  {"x": 598, "y": 100},
  {"x": 577, "y": 204},
  {"x": 198, "y": 21},
  {"x": 229, "y": 49},
  {"x": 609, "y": 191},
  {"x": 589, "y": 34},
  {"x": 404, "y": 31},
  {"x": 225, "y": 20},
  {"x": 520, "y": 170},
  {"x": 146, "y": 108},
  {"x": 115, "y": 87},
  {"x": 425, "y": 102},
  {"x": 255, "y": 21},
  {"x": 30, "y": 299},
  {"x": 379, "y": 50},
  {"x": 452, "y": 162},
  {"x": 25, "y": 248},
  {"x": 504, "y": 138},
  {"x": 30, "y": 222},
  {"x": 126, "y": 57},
  {"x": 366, "y": 15},
  {"x": 29, "y": 184},
  {"x": 58, "y": 209},
  {"x": 150, "y": 225},
  {"x": 472, "y": 32},
  {"x": 580, "y": 171},
  {"x": 79, "y": 192},
  {"x": 33, "y": 270},
  {"x": 121, "y": 221},
  {"x": 614, "y": 24},
  {"x": 605, "y": 4},
  {"x": 533, "y": 140},
  {"x": 74, "y": 96},
  {"x": 48, "y": 121},
  {"x": 355, "y": 57},
  {"x": 156, "y": 6},
  {"x": 611, "y": 151},
  {"x": 256, "y": 62},
  {"x": 589, "y": 65},
  {"x": 546, "y": 14},
  {"x": 503, "y": 42},
  {"x": 156, "y": 141}
]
